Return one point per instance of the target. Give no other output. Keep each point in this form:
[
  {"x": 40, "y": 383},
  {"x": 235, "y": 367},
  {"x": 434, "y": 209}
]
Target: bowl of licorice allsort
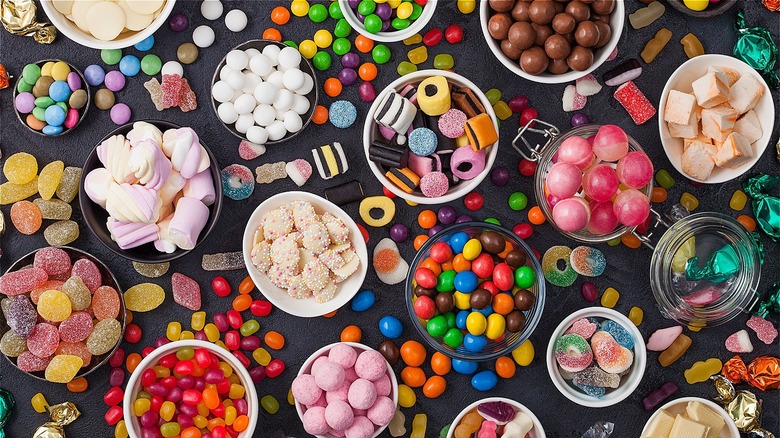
[
  {"x": 386, "y": 22},
  {"x": 487, "y": 304},
  {"x": 151, "y": 191},
  {"x": 702, "y": 8},
  {"x": 596, "y": 357},
  {"x": 197, "y": 374},
  {"x": 431, "y": 137},
  {"x": 508, "y": 418},
  {"x": 51, "y": 97},
  {"x": 63, "y": 314}
]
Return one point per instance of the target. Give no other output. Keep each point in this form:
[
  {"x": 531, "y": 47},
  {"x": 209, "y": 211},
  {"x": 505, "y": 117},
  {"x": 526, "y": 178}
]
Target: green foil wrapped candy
[
  {"x": 771, "y": 303},
  {"x": 756, "y": 47},
  {"x": 766, "y": 208},
  {"x": 6, "y": 407},
  {"x": 721, "y": 265}
]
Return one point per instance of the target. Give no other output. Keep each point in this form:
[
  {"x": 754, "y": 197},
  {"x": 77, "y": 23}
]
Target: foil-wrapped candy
[
  {"x": 743, "y": 407},
  {"x": 60, "y": 416}
]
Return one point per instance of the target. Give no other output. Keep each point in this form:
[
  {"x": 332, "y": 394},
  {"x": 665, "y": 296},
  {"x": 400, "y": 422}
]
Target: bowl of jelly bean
[
  {"x": 214, "y": 393},
  {"x": 374, "y": 133},
  {"x": 589, "y": 379},
  {"x": 702, "y": 8},
  {"x": 475, "y": 291},
  {"x": 55, "y": 84},
  {"x": 79, "y": 304},
  {"x": 387, "y": 22},
  {"x": 502, "y": 416},
  {"x": 96, "y": 216},
  {"x": 354, "y": 366}
]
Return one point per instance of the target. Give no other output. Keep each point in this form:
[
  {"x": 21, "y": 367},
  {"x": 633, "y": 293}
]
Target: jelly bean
[
  {"x": 120, "y": 430},
  {"x": 274, "y": 340},
  {"x": 589, "y": 292},
  {"x": 505, "y": 367},
  {"x": 630, "y": 240},
  {"x": 198, "y": 320},
  {"x": 453, "y": 34},
  {"x": 260, "y": 308},
  {"x": 390, "y": 327},
  {"x": 659, "y": 195},
  {"x": 702, "y": 370},
  {"x": 39, "y": 403},
  {"x": 689, "y": 201},
  {"x": 405, "y": 67},
  {"x": 351, "y": 333},
  {"x": 748, "y": 222},
  {"x": 664, "y": 179},
  {"x": 502, "y": 110},
  {"x": 413, "y": 377},
  {"x": 173, "y": 331},
  {"x": 113, "y": 415},
  {"x": 610, "y": 297},
  {"x": 78, "y": 385},
  {"x": 418, "y": 55},
  {"x": 274, "y": 368},
  {"x": 524, "y": 354},
  {"x": 523, "y": 230},
  {"x": 406, "y": 396},
  {"x": 660, "y": 394},
  {"x": 738, "y": 200},
  {"x": 484, "y": 380},
  {"x": 674, "y": 351},
  {"x": 636, "y": 314}
]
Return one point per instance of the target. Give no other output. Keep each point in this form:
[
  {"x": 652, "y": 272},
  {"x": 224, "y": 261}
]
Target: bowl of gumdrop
[
  {"x": 596, "y": 357},
  {"x": 63, "y": 314},
  {"x": 498, "y": 415}
]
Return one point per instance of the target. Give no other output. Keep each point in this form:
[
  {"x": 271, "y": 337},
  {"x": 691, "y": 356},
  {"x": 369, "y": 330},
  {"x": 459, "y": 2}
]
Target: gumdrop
[
  {"x": 611, "y": 356},
  {"x": 52, "y": 260},
  {"x": 573, "y": 352},
  {"x": 20, "y": 168},
  {"x": 76, "y": 327},
  {"x": 22, "y": 316},
  {"x": 54, "y": 209},
  {"x": 104, "y": 336},
  {"x": 12, "y": 345},
  {"x": 595, "y": 376},
  {"x": 155, "y": 92},
  {"x": 26, "y": 217},
  {"x": 237, "y": 182},
  {"x": 61, "y": 233},
  {"x": 186, "y": 291},
  {"x": 69, "y": 184},
  {"x": 151, "y": 270},
  {"x": 23, "y": 281},
  {"x": 188, "y": 101},
  {"x": 582, "y": 327},
  {"x": 54, "y": 305},
  {"x": 75, "y": 349},
  {"x": 171, "y": 90},
  {"x": 621, "y": 335},
  {"x": 10, "y": 192},
  {"x": 49, "y": 179},
  {"x": 48, "y": 285},
  {"x": 31, "y": 363},
  {"x": 63, "y": 368},
  {"x": 44, "y": 340},
  {"x": 77, "y": 292},
  {"x": 144, "y": 297},
  {"x": 105, "y": 303},
  {"x": 89, "y": 273}
]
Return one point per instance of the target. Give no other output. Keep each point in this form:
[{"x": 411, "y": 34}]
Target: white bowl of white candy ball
[
  {"x": 511, "y": 419},
  {"x": 264, "y": 91}
]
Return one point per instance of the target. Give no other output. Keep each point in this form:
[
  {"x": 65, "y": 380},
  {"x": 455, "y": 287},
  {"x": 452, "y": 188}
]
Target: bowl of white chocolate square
[
  {"x": 716, "y": 118},
  {"x": 690, "y": 417}
]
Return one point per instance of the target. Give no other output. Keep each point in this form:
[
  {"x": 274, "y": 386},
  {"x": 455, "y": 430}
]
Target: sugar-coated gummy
[
  {"x": 53, "y": 209},
  {"x": 89, "y": 273},
  {"x": 63, "y": 368},
  {"x": 151, "y": 270},
  {"x": 69, "y": 184},
  {"x": 186, "y": 291},
  {"x": 54, "y": 305},
  {"x": 61, "y": 233},
  {"x": 77, "y": 292},
  {"x": 49, "y": 179},
  {"x": 144, "y": 297},
  {"x": 105, "y": 303},
  {"x": 54, "y": 261},
  {"x": 104, "y": 336}
]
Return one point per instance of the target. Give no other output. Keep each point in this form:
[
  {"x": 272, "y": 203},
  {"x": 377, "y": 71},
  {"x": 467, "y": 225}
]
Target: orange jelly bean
[
  {"x": 78, "y": 385},
  {"x": 191, "y": 432},
  {"x": 242, "y": 302},
  {"x": 748, "y": 222},
  {"x": 240, "y": 424},
  {"x": 441, "y": 364},
  {"x": 505, "y": 367},
  {"x": 434, "y": 386},
  {"x": 274, "y": 340},
  {"x": 659, "y": 194},
  {"x": 413, "y": 353},
  {"x": 210, "y": 398},
  {"x": 132, "y": 361},
  {"x": 351, "y": 333},
  {"x": 246, "y": 286},
  {"x": 630, "y": 240},
  {"x": 128, "y": 317},
  {"x": 413, "y": 377}
]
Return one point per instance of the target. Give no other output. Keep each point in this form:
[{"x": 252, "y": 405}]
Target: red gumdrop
[
  {"x": 453, "y": 34},
  {"x": 220, "y": 286},
  {"x": 483, "y": 265},
  {"x": 424, "y": 307},
  {"x": 425, "y": 278},
  {"x": 503, "y": 277},
  {"x": 441, "y": 252}
]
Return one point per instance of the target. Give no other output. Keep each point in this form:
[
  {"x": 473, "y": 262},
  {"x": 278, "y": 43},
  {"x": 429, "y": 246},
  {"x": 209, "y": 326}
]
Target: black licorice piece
[
  {"x": 346, "y": 193},
  {"x": 627, "y": 71},
  {"x": 444, "y": 143},
  {"x": 389, "y": 154}
]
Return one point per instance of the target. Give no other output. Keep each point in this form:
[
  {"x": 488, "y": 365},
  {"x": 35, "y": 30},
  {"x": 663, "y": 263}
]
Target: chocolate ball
[
  {"x": 581, "y": 58},
  {"x": 492, "y": 242},
  {"x": 534, "y": 61},
  {"x": 520, "y": 11},
  {"x": 542, "y": 33},
  {"x": 502, "y": 5},
  {"x": 522, "y": 35},
  {"x": 602, "y": 18},
  {"x": 559, "y": 7},
  {"x": 557, "y": 47},
  {"x": 480, "y": 299},
  {"x": 444, "y": 302},
  {"x": 421, "y": 291},
  {"x": 605, "y": 34},
  {"x": 587, "y": 34},
  {"x": 498, "y": 26},
  {"x": 563, "y": 23},
  {"x": 524, "y": 299},
  {"x": 603, "y": 7},
  {"x": 515, "y": 321},
  {"x": 515, "y": 258},
  {"x": 510, "y": 51},
  {"x": 579, "y": 10},
  {"x": 390, "y": 351},
  {"x": 558, "y": 66},
  {"x": 541, "y": 11}
]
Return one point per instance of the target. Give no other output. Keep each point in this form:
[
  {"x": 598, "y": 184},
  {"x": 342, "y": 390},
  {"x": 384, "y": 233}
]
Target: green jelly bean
[
  {"x": 342, "y": 28},
  {"x": 318, "y": 13},
  {"x": 437, "y": 326},
  {"x": 406, "y": 67},
  {"x": 381, "y": 53},
  {"x": 372, "y": 23},
  {"x": 443, "y": 61},
  {"x": 44, "y": 102},
  {"x": 450, "y": 317},
  {"x": 518, "y": 201},
  {"x": 335, "y": 11},
  {"x": 144, "y": 394},
  {"x": 39, "y": 113},
  {"x": 31, "y": 73},
  {"x": 446, "y": 281},
  {"x": 492, "y": 220},
  {"x": 270, "y": 404},
  {"x": 453, "y": 338},
  {"x": 185, "y": 353},
  {"x": 614, "y": 242},
  {"x": 525, "y": 277},
  {"x": 445, "y": 431},
  {"x": 400, "y": 23},
  {"x": 417, "y": 10},
  {"x": 151, "y": 64},
  {"x": 111, "y": 56},
  {"x": 170, "y": 429},
  {"x": 249, "y": 327},
  {"x": 291, "y": 43},
  {"x": 322, "y": 61},
  {"x": 664, "y": 179},
  {"x": 493, "y": 95},
  {"x": 341, "y": 46},
  {"x": 23, "y": 87},
  {"x": 366, "y": 7}
]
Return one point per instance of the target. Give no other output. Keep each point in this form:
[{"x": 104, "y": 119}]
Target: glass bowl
[
  {"x": 494, "y": 348},
  {"x": 392, "y": 35}
]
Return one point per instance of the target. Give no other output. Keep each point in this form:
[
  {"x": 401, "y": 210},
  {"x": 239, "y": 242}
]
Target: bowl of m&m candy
[
  {"x": 51, "y": 97},
  {"x": 214, "y": 393},
  {"x": 475, "y": 291},
  {"x": 63, "y": 314},
  {"x": 387, "y": 21},
  {"x": 431, "y": 137},
  {"x": 593, "y": 183},
  {"x": 498, "y": 416}
]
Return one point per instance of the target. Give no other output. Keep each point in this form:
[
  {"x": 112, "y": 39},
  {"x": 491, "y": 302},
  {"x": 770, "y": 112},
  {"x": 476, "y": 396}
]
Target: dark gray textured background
[{"x": 627, "y": 272}]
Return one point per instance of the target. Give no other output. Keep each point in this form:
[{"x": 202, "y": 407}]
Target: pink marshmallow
[
  {"x": 341, "y": 394},
  {"x": 370, "y": 365},
  {"x": 362, "y": 427},
  {"x": 201, "y": 187},
  {"x": 329, "y": 376},
  {"x": 362, "y": 394},
  {"x": 188, "y": 221},
  {"x": 314, "y": 421},
  {"x": 305, "y": 389},
  {"x": 131, "y": 234},
  {"x": 343, "y": 355},
  {"x": 661, "y": 339},
  {"x": 383, "y": 386},
  {"x": 382, "y": 411},
  {"x": 339, "y": 416}
]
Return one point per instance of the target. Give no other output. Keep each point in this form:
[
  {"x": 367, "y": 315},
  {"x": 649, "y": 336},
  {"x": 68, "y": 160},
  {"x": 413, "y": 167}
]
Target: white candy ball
[
  {"x": 224, "y": 72},
  {"x": 293, "y": 79},
  {"x": 272, "y": 52},
  {"x": 211, "y": 9},
  {"x": 276, "y": 78},
  {"x": 308, "y": 85},
  {"x": 227, "y": 113},
  {"x": 237, "y": 59},
  {"x": 264, "y": 114},
  {"x": 236, "y": 95},
  {"x": 260, "y": 64},
  {"x": 292, "y": 121},
  {"x": 284, "y": 99},
  {"x": 300, "y": 104},
  {"x": 244, "y": 122},
  {"x": 276, "y": 130},
  {"x": 235, "y": 79},
  {"x": 257, "y": 135},
  {"x": 250, "y": 52},
  {"x": 265, "y": 92},
  {"x": 279, "y": 114},
  {"x": 221, "y": 91},
  {"x": 250, "y": 82},
  {"x": 236, "y": 20},
  {"x": 172, "y": 68},
  {"x": 289, "y": 58},
  {"x": 203, "y": 36},
  {"x": 245, "y": 104}
]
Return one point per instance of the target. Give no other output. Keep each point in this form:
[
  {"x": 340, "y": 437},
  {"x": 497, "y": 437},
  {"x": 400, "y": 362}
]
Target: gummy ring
[
  {"x": 558, "y": 277},
  {"x": 588, "y": 261},
  {"x": 466, "y": 163},
  {"x": 573, "y": 353},
  {"x": 382, "y": 203}
]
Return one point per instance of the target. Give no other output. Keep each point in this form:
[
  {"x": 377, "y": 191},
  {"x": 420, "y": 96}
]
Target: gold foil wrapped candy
[
  {"x": 18, "y": 18},
  {"x": 60, "y": 415},
  {"x": 743, "y": 407}
]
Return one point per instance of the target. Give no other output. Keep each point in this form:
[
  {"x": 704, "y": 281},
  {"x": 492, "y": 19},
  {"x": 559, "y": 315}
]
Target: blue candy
[
  {"x": 460, "y": 319},
  {"x": 342, "y": 114},
  {"x": 94, "y": 74},
  {"x": 458, "y": 241},
  {"x": 484, "y": 380},
  {"x": 466, "y": 281},
  {"x": 363, "y": 301},
  {"x": 59, "y": 91},
  {"x": 390, "y": 327},
  {"x": 145, "y": 44},
  {"x": 593, "y": 391},
  {"x": 486, "y": 311},
  {"x": 621, "y": 335},
  {"x": 130, "y": 65},
  {"x": 54, "y": 115},
  {"x": 237, "y": 182},
  {"x": 474, "y": 344},
  {"x": 464, "y": 366},
  {"x": 423, "y": 142},
  {"x": 52, "y": 130}
]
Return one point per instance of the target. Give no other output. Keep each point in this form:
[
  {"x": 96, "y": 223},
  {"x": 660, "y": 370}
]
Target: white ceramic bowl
[
  {"x": 677, "y": 406},
  {"x": 536, "y": 432},
  {"x": 371, "y": 131},
  {"x": 681, "y": 80},
  {"x": 628, "y": 383},
  {"x": 616, "y": 21},
  {"x": 127, "y": 39},
  {"x": 389, "y": 36},
  {"x": 134, "y": 384},
  {"x": 306, "y": 368},
  {"x": 308, "y": 307}
]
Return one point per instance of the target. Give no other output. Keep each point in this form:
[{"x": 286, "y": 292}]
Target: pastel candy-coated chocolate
[{"x": 661, "y": 339}]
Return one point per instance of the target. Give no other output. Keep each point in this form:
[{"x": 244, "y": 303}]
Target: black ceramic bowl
[
  {"x": 96, "y": 216},
  {"x": 306, "y": 67},
  {"x": 714, "y": 9},
  {"x": 108, "y": 280}
]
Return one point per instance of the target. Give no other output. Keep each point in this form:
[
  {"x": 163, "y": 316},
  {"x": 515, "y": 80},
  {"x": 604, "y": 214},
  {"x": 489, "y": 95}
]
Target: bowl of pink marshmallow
[{"x": 151, "y": 191}]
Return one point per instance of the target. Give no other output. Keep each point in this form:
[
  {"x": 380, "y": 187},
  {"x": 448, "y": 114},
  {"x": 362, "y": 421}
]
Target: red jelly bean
[
  {"x": 257, "y": 373},
  {"x": 116, "y": 377},
  {"x": 523, "y": 230},
  {"x": 232, "y": 340},
  {"x": 184, "y": 368},
  {"x": 114, "y": 396},
  {"x": 156, "y": 403},
  {"x": 169, "y": 360},
  {"x": 526, "y": 167},
  {"x": 274, "y": 368},
  {"x": 219, "y": 431},
  {"x": 221, "y": 321},
  {"x": 424, "y": 307},
  {"x": 220, "y": 286},
  {"x": 441, "y": 252},
  {"x": 234, "y": 319},
  {"x": 518, "y": 104},
  {"x": 242, "y": 358},
  {"x": 191, "y": 397},
  {"x": 589, "y": 292},
  {"x": 223, "y": 386},
  {"x": 118, "y": 358},
  {"x": 148, "y": 377},
  {"x": 113, "y": 415},
  {"x": 453, "y": 34},
  {"x": 503, "y": 277},
  {"x": 388, "y": 193},
  {"x": 527, "y": 115},
  {"x": 425, "y": 278},
  {"x": 250, "y": 343},
  {"x": 473, "y": 201},
  {"x": 133, "y": 333},
  {"x": 169, "y": 382},
  {"x": 433, "y": 37},
  {"x": 260, "y": 308},
  {"x": 147, "y": 351},
  {"x": 202, "y": 357},
  {"x": 483, "y": 265}
]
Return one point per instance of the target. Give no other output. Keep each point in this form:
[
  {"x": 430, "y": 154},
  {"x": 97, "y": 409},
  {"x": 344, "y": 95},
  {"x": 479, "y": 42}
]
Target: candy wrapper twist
[
  {"x": 602, "y": 429},
  {"x": 6, "y": 407},
  {"x": 756, "y": 47},
  {"x": 762, "y": 372},
  {"x": 60, "y": 416},
  {"x": 743, "y": 407},
  {"x": 18, "y": 18}
]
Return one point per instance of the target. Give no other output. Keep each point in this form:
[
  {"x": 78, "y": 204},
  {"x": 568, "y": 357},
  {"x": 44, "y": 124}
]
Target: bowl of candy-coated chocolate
[
  {"x": 179, "y": 358},
  {"x": 614, "y": 366},
  {"x": 511, "y": 417},
  {"x": 514, "y": 287},
  {"x": 702, "y": 8},
  {"x": 361, "y": 390},
  {"x": 419, "y": 147},
  {"x": 68, "y": 287},
  {"x": 108, "y": 26},
  {"x": 689, "y": 410},
  {"x": 379, "y": 21},
  {"x": 131, "y": 187}
]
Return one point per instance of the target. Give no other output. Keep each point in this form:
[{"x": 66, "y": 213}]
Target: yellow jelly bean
[
  {"x": 200, "y": 421},
  {"x": 212, "y": 332},
  {"x": 696, "y": 326},
  {"x": 234, "y": 378},
  {"x": 418, "y": 55},
  {"x": 290, "y": 397},
  {"x": 323, "y": 38},
  {"x": 412, "y": 203},
  {"x": 120, "y": 431},
  {"x": 262, "y": 356},
  {"x": 187, "y": 335},
  {"x": 404, "y": 10},
  {"x": 689, "y": 201},
  {"x": 161, "y": 372},
  {"x": 636, "y": 314},
  {"x": 496, "y": 325},
  {"x": 202, "y": 409},
  {"x": 230, "y": 415},
  {"x": 502, "y": 110},
  {"x": 39, "y": 403},
  {"x": 696, "y": 5},
  {"x": 60, "y": 70},
  {"x": 226, "y": 369},
  {"x": 461, "y": 300},
  {"x": 220, "y": 344},
  {"x": 476, "y": 323},
  {"x": 467, "y": 6},
  {"x": 308, "y": 49},
  {"x": 236, "y": 391},
  {"x": 299, "y": 8},
  {"x": 167, "y": 410},
  {"x": 414, "y": 39},
  {"x": 198, "y": 321},
  {"x": 610, "y": 297},
  {"x": 173, "y": 332},
  {"x": 702, "y": 370},
  {"x": 141, "y": 406},
  {"x": 738, "y": 200},
  {"x": 472, "y": 249},
  {"x": 524, "y": 354},
  {"x": 406, "y": 397}
]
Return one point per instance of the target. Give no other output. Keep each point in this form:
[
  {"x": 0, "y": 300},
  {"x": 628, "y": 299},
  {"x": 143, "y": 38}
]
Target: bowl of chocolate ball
[{"x": 552, "y": 42}]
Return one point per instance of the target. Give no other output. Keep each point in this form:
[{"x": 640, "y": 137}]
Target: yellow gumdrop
[
  {"x": 524, "y": 354},
  {"x": 20, "y": 168},
  {"x": 63, "y": 368},
  {"x": 144, "y": 297},
  {"x": 49, "y": 179},
  {"x": 406, "y": 397},
  {"x": 54, "y": 306},
  {"x": 39, "y": 403}
]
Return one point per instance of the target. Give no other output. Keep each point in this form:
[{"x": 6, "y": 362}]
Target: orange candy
[
  {"x": 426, "y": 219},
  {"x": 433, "y": 266},
  {"x": 320, "y": 115},
  {"x": 447, "y": 266},
  {"x": 210, "y": 398},
  {"x": 659, "y": 195},
  {"x": 630, "y": 240},
  {"x": 367, "y": 71},
  {"x": 78, "y": 385},
  {"x": 26, "y": 217},
  {"x": 274, "y": 340},
  {"x": 332, "y": 87},
  {"x": 505, "y": 367},
  {"x": 413, "y": 377},
  {"x": 419, "y": 241},
  {"x": 351, "y": 333},
  {"x": 507, "y": 249},
  {"x": 441, "y": 364},
  {"x": 330, "y": 314},
  {"x": 246, "y": 286},
  {"x": 280, "y": 15},
  {"x": 272, "y": 34},
  {"x": 413, "y": 353},
  {"x": 128, "y": 317},
  {"x": 364, "y": 43},
  {"x": 191, "y": 432},
  {"x": 240, "y": 423},
  {"x": 132, "y": 361},
  {"x": 535, "y": 215},
  {"x": 34, "y": 123},
  {"x": 242, "y": 302},
  {"x": 503, "y": 304},
  {"x": 434, "y": 386},
  {"x": 748, "y": 222},
  {"x": 459, "y": 263}
]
